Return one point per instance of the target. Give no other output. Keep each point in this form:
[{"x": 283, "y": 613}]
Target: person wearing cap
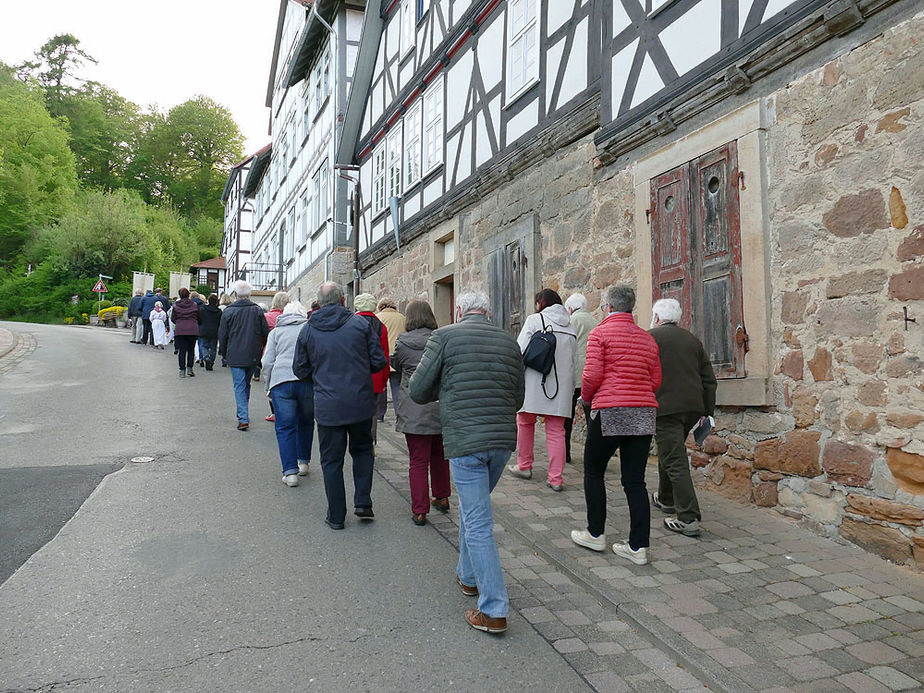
[
  {"x": 364, "y": 305},
  {"x": 395, "y": 323}
]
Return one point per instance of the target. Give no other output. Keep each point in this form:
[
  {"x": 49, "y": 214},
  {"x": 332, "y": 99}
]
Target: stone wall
[{"x": 842, "y": 448}]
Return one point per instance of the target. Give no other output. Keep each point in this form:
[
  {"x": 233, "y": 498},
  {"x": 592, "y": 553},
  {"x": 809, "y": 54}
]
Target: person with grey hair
[
  {"x": 582, "y": 322},
  {"x": 242, "y": 335},
  {"x": 292, "y": 397},
  {"x": 338, "y": 351},
  {"x": 685, "y": 398},
  {"x": 621, "y": 375},
  {"x": 475, "y": 371},
  {"x": 134, "y": 314},
  {"x": 280, "y": 301}
]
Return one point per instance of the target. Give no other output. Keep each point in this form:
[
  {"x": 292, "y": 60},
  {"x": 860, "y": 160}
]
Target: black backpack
[{"x": 540, "y": 355}]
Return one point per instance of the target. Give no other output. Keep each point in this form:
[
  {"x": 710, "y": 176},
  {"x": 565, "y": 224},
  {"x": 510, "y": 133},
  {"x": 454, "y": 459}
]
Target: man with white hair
[
  {"x": 242, "y": 335},
  {"x": 582, "y": 322},
  {"x": 475, "y": 370},
  {"x": 686, "y": 395}
]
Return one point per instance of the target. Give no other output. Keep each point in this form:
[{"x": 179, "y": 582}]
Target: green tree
[
  {"x": 104, "y": 131},
  {"x": 185, "y": 156},
  {"x": 55, "y": 67},
  {"x": 37, "y": 174}
]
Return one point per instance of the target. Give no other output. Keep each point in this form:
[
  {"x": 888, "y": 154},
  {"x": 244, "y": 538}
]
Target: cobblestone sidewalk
[
  {"x": 14, "y": 347},
  {"x": 755, "y": 604}
]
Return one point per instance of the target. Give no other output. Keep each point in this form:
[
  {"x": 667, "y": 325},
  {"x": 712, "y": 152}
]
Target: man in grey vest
[
  {"x": 475, "y": 370},
  {"x": 686, "y": 396}
]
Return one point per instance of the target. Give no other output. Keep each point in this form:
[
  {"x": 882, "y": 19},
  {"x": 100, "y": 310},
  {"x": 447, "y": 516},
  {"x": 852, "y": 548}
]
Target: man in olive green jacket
[
  {"x": 475, "y": 370},
  {"x": 686, "y": 396}
]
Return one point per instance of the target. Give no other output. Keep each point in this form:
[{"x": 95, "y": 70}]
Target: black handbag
[{"x": 540, "y": 355}]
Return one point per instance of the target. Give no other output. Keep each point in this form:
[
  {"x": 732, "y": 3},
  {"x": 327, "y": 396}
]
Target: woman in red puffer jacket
[{"x": 622, "y": 373}]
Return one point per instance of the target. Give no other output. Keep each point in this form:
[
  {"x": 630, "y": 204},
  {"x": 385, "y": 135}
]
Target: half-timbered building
[
  {"x": 236, "y": 237},
  {"x": 756, "y": 159},
  {"x": 297, "y": 223}
]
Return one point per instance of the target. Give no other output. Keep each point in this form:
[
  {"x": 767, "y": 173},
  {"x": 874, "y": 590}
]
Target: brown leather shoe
[
  {"x": 441, "y": 504},
  {"x": 479, "y": 621},
  {"x": 420, "y": 519},
  {"x": 467, "y": 590}
]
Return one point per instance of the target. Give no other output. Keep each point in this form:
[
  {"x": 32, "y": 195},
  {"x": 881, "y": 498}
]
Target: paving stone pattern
[
  {"x": 14, "y": 347},
  {"x": 756, "y": 603}
]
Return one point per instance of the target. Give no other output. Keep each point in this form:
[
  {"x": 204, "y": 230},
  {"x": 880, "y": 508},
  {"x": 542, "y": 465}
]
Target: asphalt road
[{"x": 201, "y": 570}]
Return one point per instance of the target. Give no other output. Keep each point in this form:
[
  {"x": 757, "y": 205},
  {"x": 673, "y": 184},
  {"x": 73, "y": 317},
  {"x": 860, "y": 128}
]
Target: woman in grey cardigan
[
  {"x": 420, "y": 423},
  {"x": 293, "y": 399}
]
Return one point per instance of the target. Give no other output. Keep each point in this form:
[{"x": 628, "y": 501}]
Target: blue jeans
[
  {"x": 479, "y": 561},
  {"x": 210, "y": 345},
  {"x": 332, "y": 445},
  {"x": 241, "y": 379},
  {"x": 293, "y": 402}
]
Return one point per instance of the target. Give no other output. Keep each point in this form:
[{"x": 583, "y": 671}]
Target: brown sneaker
[
  {"x": 479, "y": 621},
  {"x": 467, "y": 590},
  {"x": 441, "y": 504}
]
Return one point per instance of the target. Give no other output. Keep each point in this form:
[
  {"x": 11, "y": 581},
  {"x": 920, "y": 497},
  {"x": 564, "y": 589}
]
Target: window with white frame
[
  {"x": 522, "y": 45},
  {"x": 290, "y": 235},
  {"x": 394, "y": 163},
  {"x": 408, "y": 24},
  {"x": 293, "y": 143},
  {"x": 285, "y": 240},
  {"x": 323, "y": 201},
  {"x": 412, "y": 145},
  {"x": 422, "y": 7},
  {"x": 433, "y": 125},
  {"x": 325, "y": 75},
  {"x": 302, "y": 221},
  {"x": 378, "y": 178},
  {"x": 306, "y": 113}
]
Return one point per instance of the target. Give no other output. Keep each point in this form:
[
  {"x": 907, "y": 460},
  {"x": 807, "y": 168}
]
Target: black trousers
[
  {"x": 569, "y": 423},
  {"x": 186, "y": 349},
  {"x": 633, "y": 457},
  {"x": 332, "y": 444},
  {"x": 147, "y": 337}
]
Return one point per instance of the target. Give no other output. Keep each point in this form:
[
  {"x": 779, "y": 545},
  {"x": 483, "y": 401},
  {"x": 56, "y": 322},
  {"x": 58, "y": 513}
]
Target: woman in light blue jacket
[{"x": 293, "y": 399}]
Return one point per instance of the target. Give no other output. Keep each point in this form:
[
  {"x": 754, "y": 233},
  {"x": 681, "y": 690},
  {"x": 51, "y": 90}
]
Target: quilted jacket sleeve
[
  {"x": 593, "y": 368},
  {"x": 424, "y": 385}
]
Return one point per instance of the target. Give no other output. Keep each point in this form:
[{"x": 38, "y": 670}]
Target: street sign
[{"x": 100, "y": 288}]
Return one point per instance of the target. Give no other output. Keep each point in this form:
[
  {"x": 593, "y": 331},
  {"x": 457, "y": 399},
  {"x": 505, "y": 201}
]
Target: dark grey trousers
[{"x": 675, "y": 486}]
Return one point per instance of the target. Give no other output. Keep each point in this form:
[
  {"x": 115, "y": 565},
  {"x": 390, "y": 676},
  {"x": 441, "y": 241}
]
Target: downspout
[{"x": 335, "y": 101}]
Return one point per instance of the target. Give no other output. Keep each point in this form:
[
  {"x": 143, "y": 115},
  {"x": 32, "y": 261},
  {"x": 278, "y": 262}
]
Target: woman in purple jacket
[{"x": 186, "y": 318}]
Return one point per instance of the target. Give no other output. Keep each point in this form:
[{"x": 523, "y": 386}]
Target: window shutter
[
  {"x": 671, "y": 265},
  {"x": 515, "y": 280},
  {"x": 717, "y": 307},
  {"x": 496, "y": 286}
]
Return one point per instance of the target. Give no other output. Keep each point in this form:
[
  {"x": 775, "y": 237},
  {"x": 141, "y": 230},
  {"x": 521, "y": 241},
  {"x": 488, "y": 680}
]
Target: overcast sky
[{"x": 161, "y": 52}]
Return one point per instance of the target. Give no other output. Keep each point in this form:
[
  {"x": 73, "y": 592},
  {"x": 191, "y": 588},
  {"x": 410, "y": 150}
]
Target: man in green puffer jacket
[{"x": 475, "y": 370}]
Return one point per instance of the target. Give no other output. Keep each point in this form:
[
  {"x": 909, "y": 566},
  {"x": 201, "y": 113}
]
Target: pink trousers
[
  {"x": 554, "y": 443},
  {"x": 426, "y": 455}
]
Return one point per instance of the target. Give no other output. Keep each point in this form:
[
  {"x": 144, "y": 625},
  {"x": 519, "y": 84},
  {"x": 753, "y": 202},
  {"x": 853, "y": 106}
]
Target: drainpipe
[{"x": 335, "y": 73}]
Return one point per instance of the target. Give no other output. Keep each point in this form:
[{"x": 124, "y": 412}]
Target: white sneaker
[
  {"x": 302, "y": 468},
  {"x": 522, "y": 473},
  {"x": 290, "y": 480},
  {"x": 637, "y": 556},
  {"x": 582, "y": 537}
]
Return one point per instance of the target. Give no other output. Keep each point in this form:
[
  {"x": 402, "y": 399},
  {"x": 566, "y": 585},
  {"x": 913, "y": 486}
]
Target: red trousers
[{"x": 426, "y": 456}]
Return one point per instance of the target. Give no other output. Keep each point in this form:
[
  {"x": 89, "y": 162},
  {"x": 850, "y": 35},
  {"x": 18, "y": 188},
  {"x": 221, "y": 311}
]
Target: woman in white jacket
[{"x": 550, "y": 395}]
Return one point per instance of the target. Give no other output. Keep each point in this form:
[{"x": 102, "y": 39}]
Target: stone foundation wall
[{"x": 843, "y": 448}]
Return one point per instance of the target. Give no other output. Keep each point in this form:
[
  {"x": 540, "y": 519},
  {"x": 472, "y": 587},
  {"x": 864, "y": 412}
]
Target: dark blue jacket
[
  {"x": 242, "y": 334},
  {"x": 134, "y": 306},
  {"x": 338, "y": 350},
  {"x": 147, "y": 303}
]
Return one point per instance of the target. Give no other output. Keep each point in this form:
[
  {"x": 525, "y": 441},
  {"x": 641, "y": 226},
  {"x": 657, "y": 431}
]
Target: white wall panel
[
  {"x": 433, "y": 191},
  {"x": 558, "y": 12},
  {"x": 465, "y": 157},
  {"x": 483, "y": 144},
  {"x": 620, "y": 66},
  {"x": 553, "y": 57},
  {"x": 649, "y": 82},
  {"x": 776, "y": 6},
  {"x": 407, "y": 73},
  {"x": 411, "y": 204},
  {"x": 491, "y": 53},
  {"x": 575, "y": 80},
  {"x": 457, "y": 85},
  {"x": 393, "y": 36},
  {"x": 695, "y": 36},
  {"x": 620, "y": 18},
  {"x": 523, "y": 122}
]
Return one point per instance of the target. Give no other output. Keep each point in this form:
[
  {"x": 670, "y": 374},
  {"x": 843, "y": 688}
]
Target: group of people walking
[{"x": 465, "y": 400}]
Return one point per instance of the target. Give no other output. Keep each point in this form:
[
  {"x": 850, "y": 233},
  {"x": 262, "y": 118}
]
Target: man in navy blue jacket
[
  {"x": 147, "y": 305},
  {"x": 338, "y": 350}
]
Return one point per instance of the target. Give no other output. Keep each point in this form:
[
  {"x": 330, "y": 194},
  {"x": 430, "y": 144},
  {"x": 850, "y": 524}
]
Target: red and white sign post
[{"x": 99, "y": 290}]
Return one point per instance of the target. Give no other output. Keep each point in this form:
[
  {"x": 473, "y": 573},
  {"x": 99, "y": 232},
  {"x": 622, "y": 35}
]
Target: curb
[{"x": 7, "y": 348}]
